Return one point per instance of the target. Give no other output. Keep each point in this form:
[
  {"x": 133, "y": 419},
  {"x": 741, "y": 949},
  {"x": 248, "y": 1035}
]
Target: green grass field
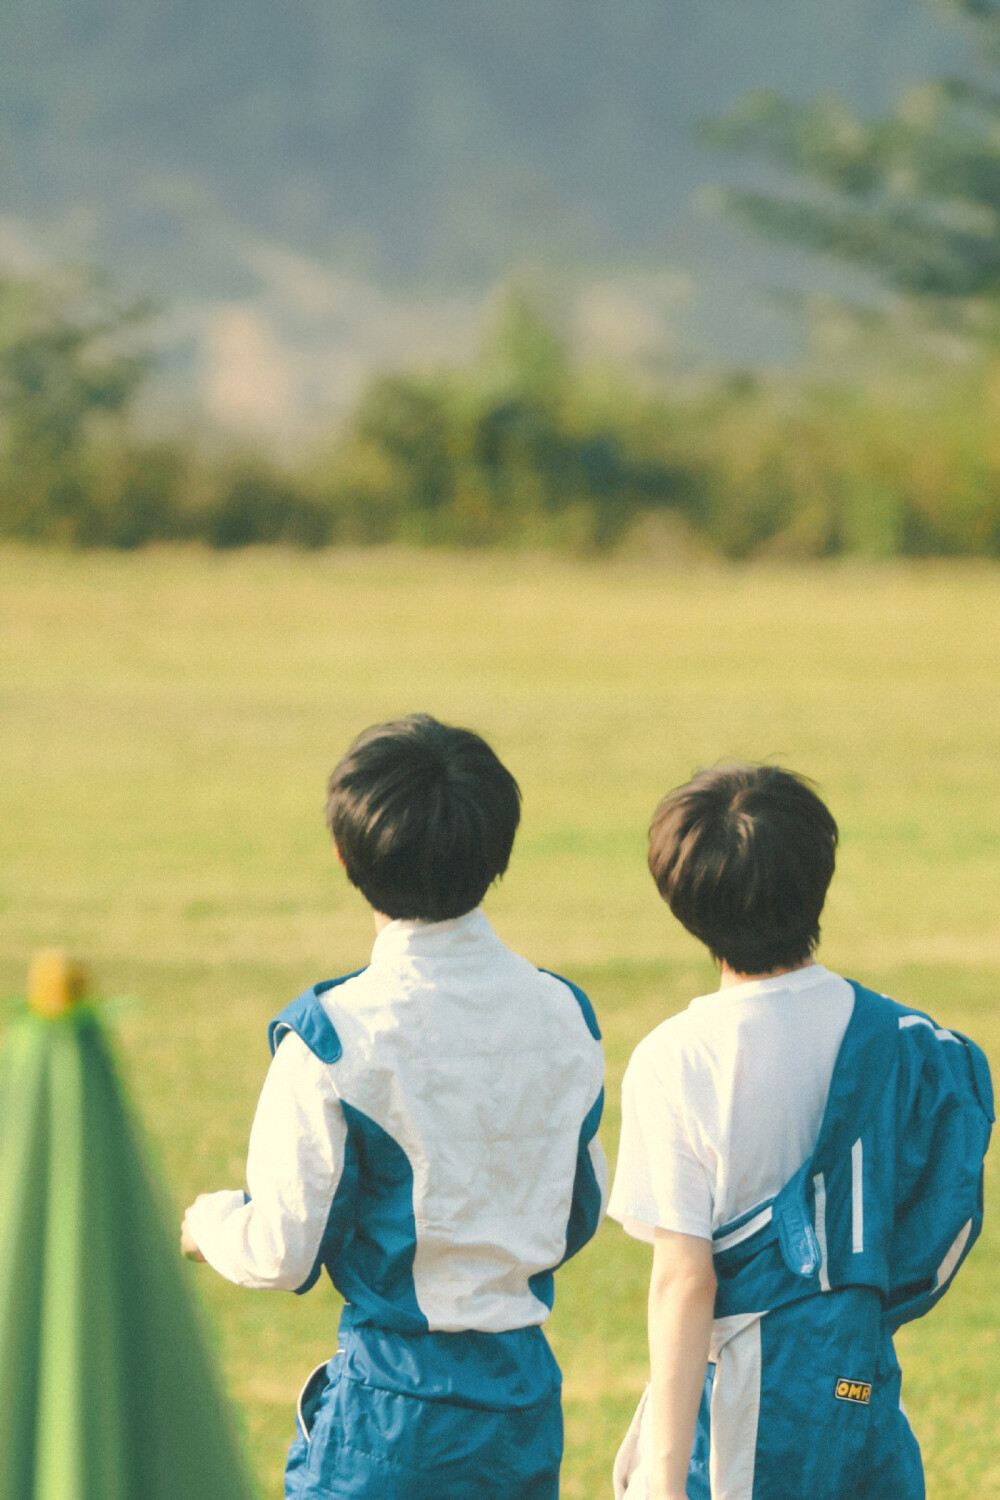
[{"x": 168, "y": 723}]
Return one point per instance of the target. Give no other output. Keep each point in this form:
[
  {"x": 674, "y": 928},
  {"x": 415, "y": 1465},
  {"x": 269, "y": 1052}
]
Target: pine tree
[{"x": 912, "y": 197}]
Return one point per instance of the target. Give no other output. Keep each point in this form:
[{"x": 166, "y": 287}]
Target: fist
[{"x": 189, "y": 1245}]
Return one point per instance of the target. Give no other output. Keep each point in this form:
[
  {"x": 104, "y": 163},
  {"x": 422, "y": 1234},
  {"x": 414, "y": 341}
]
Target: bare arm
[{"x": 681, "y": 1306}]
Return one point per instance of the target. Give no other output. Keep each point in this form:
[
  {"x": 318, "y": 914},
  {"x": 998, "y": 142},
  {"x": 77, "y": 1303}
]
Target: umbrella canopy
[{"x": 107, "y": 1389}]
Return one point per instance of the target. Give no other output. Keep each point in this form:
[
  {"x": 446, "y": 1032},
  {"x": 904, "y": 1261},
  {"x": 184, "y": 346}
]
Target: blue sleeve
[{"x": 590, "y": 1186}]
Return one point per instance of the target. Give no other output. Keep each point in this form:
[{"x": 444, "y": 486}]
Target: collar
[
  {"x": 406, "y": 938},
  {"x": 792, "y": 984}
]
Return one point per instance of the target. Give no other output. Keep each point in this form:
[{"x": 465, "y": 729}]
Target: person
[
  {"x": 427, "y": 1132},
  {"x": 805, "y": 1157}
]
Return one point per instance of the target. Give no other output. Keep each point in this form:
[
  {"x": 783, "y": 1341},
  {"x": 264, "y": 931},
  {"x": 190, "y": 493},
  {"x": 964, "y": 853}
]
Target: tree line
[
  {"x": 520, "y": 449},
  {"x": 889, "y": 449}
]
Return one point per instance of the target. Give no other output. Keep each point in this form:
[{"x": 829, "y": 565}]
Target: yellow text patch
[{"x": 854, "y": 1390}]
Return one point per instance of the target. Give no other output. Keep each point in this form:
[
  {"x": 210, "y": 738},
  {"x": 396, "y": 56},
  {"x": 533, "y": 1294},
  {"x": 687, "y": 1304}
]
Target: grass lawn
[{"x": 168, "y": 723}]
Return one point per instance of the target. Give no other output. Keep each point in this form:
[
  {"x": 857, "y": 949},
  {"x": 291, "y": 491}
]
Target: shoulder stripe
[
  {"x": 915, "y": 1019},
  {"x": 307, "y": 1018}
]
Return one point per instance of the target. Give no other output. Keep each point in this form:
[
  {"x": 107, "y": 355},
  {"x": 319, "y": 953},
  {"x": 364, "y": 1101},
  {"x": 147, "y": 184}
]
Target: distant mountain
[{"x": 364, "y": 164}]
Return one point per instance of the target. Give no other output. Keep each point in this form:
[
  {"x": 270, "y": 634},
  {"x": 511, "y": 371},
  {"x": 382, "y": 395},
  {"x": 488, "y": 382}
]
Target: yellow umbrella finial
[{"x": 55, "y": 983}]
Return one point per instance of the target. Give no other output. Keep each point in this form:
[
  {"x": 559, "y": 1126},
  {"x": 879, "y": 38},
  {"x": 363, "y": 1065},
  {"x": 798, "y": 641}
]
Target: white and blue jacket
[
  {"x": 427, "y": 1132},
  {"x": 803, "y": 1390}
]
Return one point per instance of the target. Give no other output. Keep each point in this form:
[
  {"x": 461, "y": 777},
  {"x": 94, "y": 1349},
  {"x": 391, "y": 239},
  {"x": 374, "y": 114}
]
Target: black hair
[
  {"x": 743, "y": 856},
  {"x": 424, "y": 817}
]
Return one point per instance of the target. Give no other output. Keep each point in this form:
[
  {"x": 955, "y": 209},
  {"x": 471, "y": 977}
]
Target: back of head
[
  {"x": 743, "y": 855},
  {"x": 424, "y": 817}
]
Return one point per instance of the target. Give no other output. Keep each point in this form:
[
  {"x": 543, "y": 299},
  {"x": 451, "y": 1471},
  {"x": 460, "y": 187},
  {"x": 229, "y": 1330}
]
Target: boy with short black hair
[
  {"x": 427, "y": 1132},
  {"x": 805, "y": 1157},
  {"x": 423, "y": 817}
]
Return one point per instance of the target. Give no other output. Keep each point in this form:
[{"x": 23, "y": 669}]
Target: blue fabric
[
  {"x": 582, "y": 1000},
  {"x": 585, "y": 1213},
  {"x": 370, "y": 1240},
  {"x": 381, "y": 1424},
  {"x": 810, "y": 1442},
  {"x": 922, "y": 1109},
  {"x": 403, "y": 1413},
  {"x": 699, "y": 1477},
  {"x": 492, "y": 1371},
  {"x": 807, "y": 1348},
  {"x": 307, "y": 1018},
  {"x": 585, "y": 1207}
]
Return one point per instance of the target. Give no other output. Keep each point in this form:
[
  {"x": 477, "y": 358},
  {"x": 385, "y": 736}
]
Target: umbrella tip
[{"x": 55, "y": 983}]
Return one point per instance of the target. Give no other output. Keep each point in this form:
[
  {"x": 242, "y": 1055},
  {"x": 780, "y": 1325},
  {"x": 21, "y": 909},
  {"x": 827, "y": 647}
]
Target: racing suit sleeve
[
  {"x": 269, "y": 1237},
  {"x": 590, "y": 1184}
]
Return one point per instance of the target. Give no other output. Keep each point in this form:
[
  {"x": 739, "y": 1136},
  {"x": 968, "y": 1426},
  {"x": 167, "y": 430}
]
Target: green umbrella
[{"x": 107, "y": 1390}]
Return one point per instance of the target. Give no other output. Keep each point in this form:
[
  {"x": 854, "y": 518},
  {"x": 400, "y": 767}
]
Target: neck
[{"x": 729, "y": 976}]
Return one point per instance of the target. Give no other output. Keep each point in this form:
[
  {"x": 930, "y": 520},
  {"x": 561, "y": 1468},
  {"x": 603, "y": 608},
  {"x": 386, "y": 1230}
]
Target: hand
[{"x": 189, "y": 1245}]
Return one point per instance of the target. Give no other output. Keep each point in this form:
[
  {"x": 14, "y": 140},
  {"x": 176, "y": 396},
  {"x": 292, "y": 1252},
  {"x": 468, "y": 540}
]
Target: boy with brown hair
[{"x": 805, "y": 1156}]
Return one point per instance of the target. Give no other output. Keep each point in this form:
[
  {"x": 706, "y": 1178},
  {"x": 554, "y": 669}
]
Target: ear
[{"x": 340, "y": 857}]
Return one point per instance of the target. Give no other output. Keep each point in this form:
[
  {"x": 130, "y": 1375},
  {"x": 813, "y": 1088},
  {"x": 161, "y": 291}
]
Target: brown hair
[{"x": 743, "y": 856}]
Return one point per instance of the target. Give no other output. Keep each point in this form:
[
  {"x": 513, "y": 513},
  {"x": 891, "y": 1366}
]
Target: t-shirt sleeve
[{"x": 660, "y": 1182}]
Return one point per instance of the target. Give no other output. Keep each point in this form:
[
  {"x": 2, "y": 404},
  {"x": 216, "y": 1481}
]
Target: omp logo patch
[{"x": 853, "y": 1390}]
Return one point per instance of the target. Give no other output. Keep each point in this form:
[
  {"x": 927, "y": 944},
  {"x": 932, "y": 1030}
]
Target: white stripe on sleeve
[
  {"x": 857, "y": 1198},
  {"x": 947, "y": 1267},
  {"x": 941, "y": 1032},
  {"x": 819, "y": 1187}
]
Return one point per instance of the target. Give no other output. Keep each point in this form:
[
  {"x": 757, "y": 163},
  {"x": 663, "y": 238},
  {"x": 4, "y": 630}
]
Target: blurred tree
[
  {"x": 255, "y": 503},
  {"x": 404, "y": 417},
  {"x": 519, "y": 449},
  {"x": 67, "y": 357},
  {"x": 913, "y": 196},
  {"x": 522, "y": 355}
]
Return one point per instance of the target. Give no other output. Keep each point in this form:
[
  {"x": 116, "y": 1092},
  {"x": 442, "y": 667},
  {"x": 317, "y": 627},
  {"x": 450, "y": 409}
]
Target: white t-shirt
[{"x": 723, "y": 1103}]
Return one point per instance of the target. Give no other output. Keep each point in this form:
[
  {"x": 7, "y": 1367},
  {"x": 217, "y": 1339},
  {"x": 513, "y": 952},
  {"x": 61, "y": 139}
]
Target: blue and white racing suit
[
  {"x": 802, "y": 1395},
  {"x": 427, "y": 1132}
]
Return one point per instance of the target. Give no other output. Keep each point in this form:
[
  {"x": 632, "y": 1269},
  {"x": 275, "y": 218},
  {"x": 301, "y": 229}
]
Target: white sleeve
[
  {"x": 660, "y": 1183},
  {"x": 294, "y": 1165}
]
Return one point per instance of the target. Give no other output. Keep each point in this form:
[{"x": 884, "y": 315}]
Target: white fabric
[
  {"x": 735, "y": 1408},
  {"x": 736, "y": 1353},
  {"x": 294, "y": 1162},
  {"x": 482, "y": 1069},
  {"x": 947, "y": 1267},
  {"x": 722, "y": 1103}
]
